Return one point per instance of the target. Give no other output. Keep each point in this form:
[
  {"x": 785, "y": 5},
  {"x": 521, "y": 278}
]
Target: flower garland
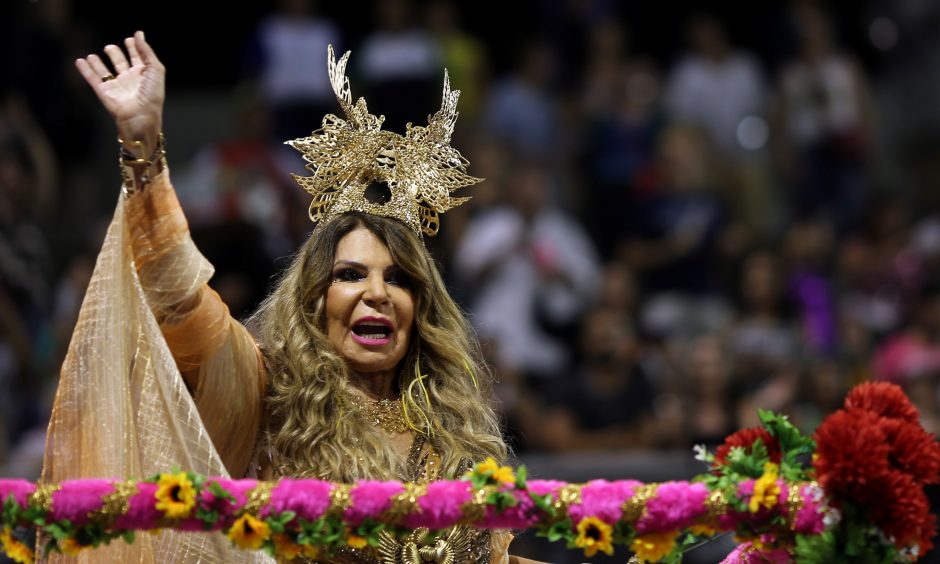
[{"x": 868, "y": 501}]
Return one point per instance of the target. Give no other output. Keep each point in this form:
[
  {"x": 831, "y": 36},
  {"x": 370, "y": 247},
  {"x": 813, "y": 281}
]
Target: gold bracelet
[{"x": 136, "y": 172}]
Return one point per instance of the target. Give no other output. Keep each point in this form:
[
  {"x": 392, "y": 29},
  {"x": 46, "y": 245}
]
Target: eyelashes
[{"x": 395, "y": 277}]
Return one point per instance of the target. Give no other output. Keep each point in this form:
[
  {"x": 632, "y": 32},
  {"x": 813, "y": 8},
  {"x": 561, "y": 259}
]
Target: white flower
[
  {"x": 701, "y": 453},
  {"x": 832, "y": 518}
]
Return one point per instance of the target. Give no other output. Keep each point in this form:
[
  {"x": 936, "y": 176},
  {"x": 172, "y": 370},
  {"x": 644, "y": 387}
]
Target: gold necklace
[{"x": 386, "y": 414}]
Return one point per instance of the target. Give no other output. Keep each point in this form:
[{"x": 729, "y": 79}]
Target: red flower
[
  {"x": 882, "y": 398},
  {"x": 745, "y": 438},
  {"x": 901, "y": 510},
  {"x": 850, "y": 452},
  {"x": 914, "y": 451}
]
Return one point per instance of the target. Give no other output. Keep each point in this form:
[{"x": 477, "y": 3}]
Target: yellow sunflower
[
  {"x": 594, "y": 535},
  {"x": 249, "y": 532},
  {"x": 652, "y": 547},
  {"x": 14, "y": 549},
  {"x": 175, "y": 495},
  {"x": 491, "y": 470}
]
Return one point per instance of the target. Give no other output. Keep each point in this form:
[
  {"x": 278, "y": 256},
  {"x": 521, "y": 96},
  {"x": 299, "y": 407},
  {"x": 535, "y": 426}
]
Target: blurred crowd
[{"x": 662, "y": 245}]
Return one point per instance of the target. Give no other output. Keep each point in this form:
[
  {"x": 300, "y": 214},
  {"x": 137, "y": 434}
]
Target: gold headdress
[{"x": 358, "y": 167}]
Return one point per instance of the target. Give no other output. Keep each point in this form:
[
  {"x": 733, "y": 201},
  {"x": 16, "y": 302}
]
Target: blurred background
[{"x": 689, "y": 212}]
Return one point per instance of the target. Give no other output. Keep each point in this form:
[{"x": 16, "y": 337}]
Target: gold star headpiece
[{"x": 358, "y": 167}]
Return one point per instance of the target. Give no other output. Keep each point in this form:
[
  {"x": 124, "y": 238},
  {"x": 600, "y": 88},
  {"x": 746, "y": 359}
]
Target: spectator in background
[
  {"x": 763, "y": 342},
  {"x": 400, "y": 66},
  {"x": 243, "y": 208},
  {"x": 707, "y": 399},
  {"x": 677, "y": 238},
  {"x": 714, "y": 86},
  {"x": 722, "y": 91},
  {"x": 911, "y": 357},
  {"x": 605, "y": 402},
  {"x": 878, "y": 271},
  {"x": 534, "y": 272},
  {"x": 463, "y": 55},
  {"x": 825, "y": 124},
  {"x": 285, "y": 57},
  {"x": 621, "y": 123},
  {"x": 762, "y": 338},
  {"x": 28, "y": 192},
  {"x": 521, "y": 111},
  {"x": 806, "y": 248}
]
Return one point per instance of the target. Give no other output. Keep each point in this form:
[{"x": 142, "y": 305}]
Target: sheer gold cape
[{"x": 122, "y": 408}]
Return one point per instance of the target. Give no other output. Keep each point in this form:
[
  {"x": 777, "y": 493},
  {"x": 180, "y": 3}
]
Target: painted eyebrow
[{"x": 353, "y": 264}]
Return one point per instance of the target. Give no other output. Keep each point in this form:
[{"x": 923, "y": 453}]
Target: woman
[{"x": 363, "y": 366}]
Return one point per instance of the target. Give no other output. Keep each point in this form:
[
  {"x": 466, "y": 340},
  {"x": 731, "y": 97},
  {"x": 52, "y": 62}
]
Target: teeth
[{"x": 372, "y": 330}]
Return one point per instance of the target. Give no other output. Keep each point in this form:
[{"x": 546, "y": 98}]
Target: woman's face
[{"x": 369, "y": 306}]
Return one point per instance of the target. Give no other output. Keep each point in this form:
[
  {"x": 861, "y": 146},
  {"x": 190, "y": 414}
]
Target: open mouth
[{"x": 372, "y": 332}]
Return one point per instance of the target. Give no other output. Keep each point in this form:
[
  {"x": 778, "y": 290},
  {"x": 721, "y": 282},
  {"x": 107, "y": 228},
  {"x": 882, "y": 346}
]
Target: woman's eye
[
  {"x": 347, "y": 275},
  {"x": 398, "y": 279}
]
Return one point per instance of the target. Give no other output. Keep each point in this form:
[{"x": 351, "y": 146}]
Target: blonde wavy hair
[{"x": 445, "y": 387}]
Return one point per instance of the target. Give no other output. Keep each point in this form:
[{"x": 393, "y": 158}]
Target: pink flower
[
  {"x": 142, "y": 512},
  {"x": 604, "y": 500},
  {"x": 369, "y": 499},
  {"x": 442, "y": 506},
  {"x": 542, "y": 487},
  {"x": 309, "y": 499},
  {"x": 75, "y": 499},
  {"x": 19, "y": 489},
  {"x": 519, "y": 516},
  {"x": 747, "y": 553},
  {"x": 675, "y": 506},
  {"x": 810, "y": 518}
]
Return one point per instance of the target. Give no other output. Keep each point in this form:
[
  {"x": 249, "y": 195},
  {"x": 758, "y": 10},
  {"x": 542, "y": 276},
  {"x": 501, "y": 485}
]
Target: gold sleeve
[{"x": 219, "y": 360}]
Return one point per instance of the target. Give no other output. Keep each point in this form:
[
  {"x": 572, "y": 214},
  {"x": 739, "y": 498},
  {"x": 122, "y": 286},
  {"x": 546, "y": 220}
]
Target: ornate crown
[{"x": 358, "y": 167}]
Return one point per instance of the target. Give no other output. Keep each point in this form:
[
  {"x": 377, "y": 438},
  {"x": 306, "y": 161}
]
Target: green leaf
[
  {"x": 269, "y": 548},
  {"x": 558, "y": 531},
  {"x": 209, "y": 517},
  {"x": 219, "y": 492},
  {"x": 11, "y": 511},
  {"x": 816, "y": 549},
  {"x": 522, "y": 475},
  {"x": 501, "y": 500},
  {"x": 128, "y": 537},
  {"x": 58, "y": 531}
]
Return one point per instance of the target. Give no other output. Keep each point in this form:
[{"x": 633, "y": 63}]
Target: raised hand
[{"x": 133, "y": 92}]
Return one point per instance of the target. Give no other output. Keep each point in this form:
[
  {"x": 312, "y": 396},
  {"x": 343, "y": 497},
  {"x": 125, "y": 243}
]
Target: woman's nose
[{"x": 376, "y": 291}]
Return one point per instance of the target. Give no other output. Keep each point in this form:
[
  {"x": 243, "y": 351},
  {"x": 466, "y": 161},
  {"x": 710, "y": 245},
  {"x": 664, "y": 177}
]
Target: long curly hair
[{"x": 446, "y": 388}]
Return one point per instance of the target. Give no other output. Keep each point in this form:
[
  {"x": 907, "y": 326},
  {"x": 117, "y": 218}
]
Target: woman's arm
[{"x": 219, "y": 360}]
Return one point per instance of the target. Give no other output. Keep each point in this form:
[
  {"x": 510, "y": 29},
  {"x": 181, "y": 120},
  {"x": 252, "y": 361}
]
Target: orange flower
[
  {"x": 355, "y": 541},
  {"x": 249, "y": 532},
  {"x": 653, "y": 547},
  {"x": 175, "y": 495},
  {"x": 594, "y": 535},
  {"x": 285, "y": 547},
  {"x": 703, "y": 530}
]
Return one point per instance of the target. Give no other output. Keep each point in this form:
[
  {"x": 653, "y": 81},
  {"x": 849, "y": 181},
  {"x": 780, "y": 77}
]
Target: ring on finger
[{"x": 107, "y": 77}]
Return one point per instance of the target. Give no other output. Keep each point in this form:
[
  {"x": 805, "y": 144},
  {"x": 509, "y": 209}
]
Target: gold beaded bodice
[{"x": 460, "y": 544}]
